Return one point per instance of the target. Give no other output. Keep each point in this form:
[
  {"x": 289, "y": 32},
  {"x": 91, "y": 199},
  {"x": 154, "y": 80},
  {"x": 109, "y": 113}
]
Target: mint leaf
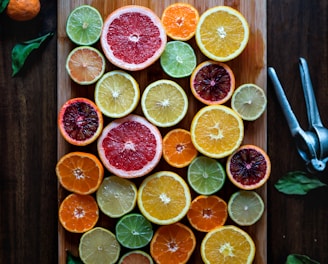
[
  {"x": 300, "y": 259},
  {"x": 297, "y": 182},
  {"x": 21, "y": 51},
  {"x": 3, "y": 5},
  {"x": 72, "y": 259}
]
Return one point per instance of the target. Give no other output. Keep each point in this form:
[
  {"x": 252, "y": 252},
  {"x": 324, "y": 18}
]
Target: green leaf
[
  {"x": 72, "y": 259},
  {"x": 21, "y": 51},
  {"x": 300, "y": 259},
  {"x": 297, "y": 182},
  {"x": 3, "y": 5}
]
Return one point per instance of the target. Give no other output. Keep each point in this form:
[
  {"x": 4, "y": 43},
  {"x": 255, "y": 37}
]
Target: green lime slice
[
  {"x": 245, "y": 207},
  {"x": 249, "y": 101},
  {"x": 206, "y": 175},
  {"x": 84, "y": 25},
  {"x": 178, "y": 59},
  {"x": 99, "y": 245},
  {"x": 134, "y": 231}
]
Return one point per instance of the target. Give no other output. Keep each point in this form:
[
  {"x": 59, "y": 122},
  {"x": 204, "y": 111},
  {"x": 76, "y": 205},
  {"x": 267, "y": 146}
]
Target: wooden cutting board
[{"x": 249, "y": 67}]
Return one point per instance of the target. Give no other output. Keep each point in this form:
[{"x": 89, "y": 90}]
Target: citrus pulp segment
[
  {"x": 206, "y": 175},
  {"x": 178, "y": 150},
  {"x": 216, "y": 131},
  {"x": 173, "y": 243},
  {"x": 212, "y": 82},
  {"x": 222, "y": 33},
  {"x": 133, "y": 231},
  {"x": 180, "y": 21},
  {"x": 80, "y": 121},
  {"x": 207, "y": 213},
  {"x": 78, "y": 213},
  {"x": 85, "y": 65},
  {"x": 164, "y": 103},
  {"x": 116, "y": 196},
  {"x": 80, "y": 172},
  {"x": 84, "y": 25},
  {"x": 249, "y": 167},
  {"x": 99, "y": 245},
  {"x": 136, "y": 257},
  {"x": 117, "y": 94},
  {"x": 130, "y": 147},
  {"x": 133, "y": 37},
  {"x": 228, "y": 245},
  {"x": 178, "y": 59},
  {"x": 164, "y": 197},
  {"x": 249, "y": 101},
  {"x": 245, "y": 208}
]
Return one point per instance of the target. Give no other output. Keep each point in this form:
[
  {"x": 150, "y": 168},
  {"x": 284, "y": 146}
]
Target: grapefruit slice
[
  {"x": 133, "y": 37},
  {"x": 130, "y": 147}
]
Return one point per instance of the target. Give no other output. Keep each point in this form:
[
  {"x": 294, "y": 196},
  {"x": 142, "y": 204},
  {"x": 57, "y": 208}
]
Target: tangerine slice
[{"x": 136, "y": 257}]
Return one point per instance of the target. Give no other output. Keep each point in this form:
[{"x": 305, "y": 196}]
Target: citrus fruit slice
[
  {"x": 229, "y": 245},
  {"x": 245, "y": 208},
  {"x": 130, "y": 147},
  {"x": 80, "y": 121},
  {"x": 206, "y": 175},
  {"x": 80, "y": 172},
  {"x": 212, "y": 82},
  {"x": 116, "y": 196},
  {"x": 136, "y": 257},
  {"x": 207, "y": 213},
  {"x": 249, "y": 101},
  {"x": 84, "y": 25},
  {"x": 164, "y": 197},
  {"x": 178, "y": 150},
  {"x": 85, "y": 65},
  {"x": 173, "y": 243},
  {"x": 178, "y": 59},
  {"x": 216, "y": 131},
  {"x": 78, "y": 213},
  {"x": 249, "y": 167},
  {"x": 222, "y": 33},
  {"x": 133, "y": 231},
  {"x": 164, "y": 103},
  {"x": 117, "y": 94},
  {"x": 180, "y": 21},
  {"x": 133, "y": 37},
  {"x": 99, "y": 245}
]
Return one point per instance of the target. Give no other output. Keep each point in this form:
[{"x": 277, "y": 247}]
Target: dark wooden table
[{"x": 28, "y": 132}]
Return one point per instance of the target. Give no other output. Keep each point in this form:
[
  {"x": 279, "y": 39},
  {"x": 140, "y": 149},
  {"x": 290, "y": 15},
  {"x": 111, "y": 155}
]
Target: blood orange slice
[
  {"x": 133, "y": 37},
  {"x": 130, "y": 147},
  {"x": 80, "y": 121},
  {"x": 248, "y": 167}
]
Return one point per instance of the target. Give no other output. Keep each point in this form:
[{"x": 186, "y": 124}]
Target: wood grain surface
[
  {"x": 249, "y": 67},
  {"x": 29, "y": 149}
]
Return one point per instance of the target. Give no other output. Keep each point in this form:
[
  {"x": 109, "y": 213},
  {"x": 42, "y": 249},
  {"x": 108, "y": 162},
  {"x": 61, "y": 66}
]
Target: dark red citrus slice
[
  {"x": 80, "y": 121},
  {"x": 130, "y": 147},
  {"x": 249, "y": 167},
  {"x": 212, "y": 82},
  {"x": 133, "y": 37}
]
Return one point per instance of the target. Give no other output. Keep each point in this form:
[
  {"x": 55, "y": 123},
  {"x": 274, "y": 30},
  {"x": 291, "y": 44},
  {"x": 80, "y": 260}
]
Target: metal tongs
[{"x": 312, "y": 145}]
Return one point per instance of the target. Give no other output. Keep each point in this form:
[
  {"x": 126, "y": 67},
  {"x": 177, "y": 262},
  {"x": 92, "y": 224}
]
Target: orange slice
[
  {"x": 178, "y": 150},
  {"x": 80, "y": 172},
  {"x": 172, "y": 244},
  {"x": 180, "y": 21}
]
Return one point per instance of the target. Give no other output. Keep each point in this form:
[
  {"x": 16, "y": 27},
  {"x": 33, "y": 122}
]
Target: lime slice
[
  {"x": 134, "y": 231},
  {"x": 164, "y": 103},
  {"x": 117, "y": 94},
  {"x": 116, "y": 196},
  {"x": 206, "y": 175},
  {"x": 99, "y": 245},
  {"x": 249, "y": 101},
  {"x": 245, "y": 207},
  {"x": 84, "y": 25},
  {"x": 178, "y": 59}
]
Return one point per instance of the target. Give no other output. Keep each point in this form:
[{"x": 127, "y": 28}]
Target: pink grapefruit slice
[
  {"x": 130, "y": 147},
  {"x": 133, "y": 37}
]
